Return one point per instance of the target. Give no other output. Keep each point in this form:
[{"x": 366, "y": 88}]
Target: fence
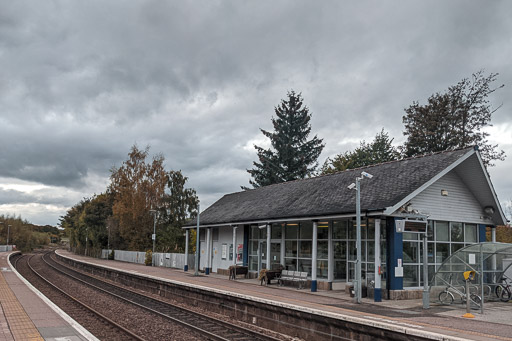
[
  {"x": 167, "y": 260},
  {"x": 4, "y": 248}
]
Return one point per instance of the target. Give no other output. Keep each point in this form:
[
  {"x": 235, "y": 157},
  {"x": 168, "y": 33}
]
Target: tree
[
  {"x": 179, "y": 205},
  {"x": 291, "y": 156},
  {"x": 138, "y": 187},
  {"x": 453, "y": 119},
  {"x": 378, "y": 151}
]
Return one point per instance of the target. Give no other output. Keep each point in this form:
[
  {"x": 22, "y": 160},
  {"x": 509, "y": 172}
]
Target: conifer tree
[
  {"x": 454, "y": 119},
  {"x": 292, "y": 156}
]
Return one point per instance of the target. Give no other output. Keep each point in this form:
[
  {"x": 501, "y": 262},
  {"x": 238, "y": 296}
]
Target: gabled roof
[{"x": 328, "y": 195}]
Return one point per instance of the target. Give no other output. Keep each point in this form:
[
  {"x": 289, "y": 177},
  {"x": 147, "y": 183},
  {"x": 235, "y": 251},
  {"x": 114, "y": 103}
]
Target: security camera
[
  {"x": 368, "y": 175},
  {"x": 352, "y": 186}
]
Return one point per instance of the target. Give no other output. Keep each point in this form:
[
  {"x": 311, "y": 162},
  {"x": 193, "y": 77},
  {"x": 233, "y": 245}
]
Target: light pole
[
  {"x": 357, "y": 186},
  {"x": 108, "y": 241},
  {"x": 154, "y": 231},
  {"x": 1, "y": 222},
  {"x": 196, "y": 270},
  {"x": 8, "y": 232}
]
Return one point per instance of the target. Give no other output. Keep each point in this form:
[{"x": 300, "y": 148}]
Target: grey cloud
[{"x": 82, "y": 82}]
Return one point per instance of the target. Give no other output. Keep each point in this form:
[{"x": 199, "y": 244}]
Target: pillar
[
  {"x": 269, "y": 261},
  {"x": 283, "y": 245},
  {"x": 208, "y": 250},
  {"x": 377, "y": 295},
  {"x": 394, "y": 256},
  {"x": 314, "y": 257},
  {"x": 330, "y": 257},
  {"x": 234, "y": 245}
]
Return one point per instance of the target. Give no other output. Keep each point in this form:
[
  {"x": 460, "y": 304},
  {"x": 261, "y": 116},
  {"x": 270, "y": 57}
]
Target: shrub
[{"x": 149, "y": 257}]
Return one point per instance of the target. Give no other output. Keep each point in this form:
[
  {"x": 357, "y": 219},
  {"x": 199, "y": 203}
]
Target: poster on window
[
  {"x": 239, "y": 252},
  {"x": 224, "y": 254}
]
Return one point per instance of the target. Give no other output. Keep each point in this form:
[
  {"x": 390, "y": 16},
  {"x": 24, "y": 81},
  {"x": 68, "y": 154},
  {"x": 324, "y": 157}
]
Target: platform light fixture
[
  {"x": 155, "y": 213},
  {"x": 357, "y": 187}
]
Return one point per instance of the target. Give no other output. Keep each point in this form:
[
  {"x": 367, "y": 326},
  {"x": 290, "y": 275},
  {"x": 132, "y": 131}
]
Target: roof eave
[{"x": 369, "y": 212}]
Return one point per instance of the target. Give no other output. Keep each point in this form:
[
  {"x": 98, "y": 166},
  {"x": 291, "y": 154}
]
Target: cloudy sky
[{"x": 82, "y": 81}]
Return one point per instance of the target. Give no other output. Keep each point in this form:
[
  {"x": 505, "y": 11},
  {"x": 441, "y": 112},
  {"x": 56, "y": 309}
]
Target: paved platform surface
[
  {"x": 441, "y": 322},
  {"x": 25, "y": 316}
]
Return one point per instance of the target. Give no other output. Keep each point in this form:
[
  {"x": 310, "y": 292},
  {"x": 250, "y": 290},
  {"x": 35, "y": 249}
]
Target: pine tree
[
  {"x": 454, "y": 119},
  {"x": 292, "y": 156},
  {"x": 378, "y": 151}
]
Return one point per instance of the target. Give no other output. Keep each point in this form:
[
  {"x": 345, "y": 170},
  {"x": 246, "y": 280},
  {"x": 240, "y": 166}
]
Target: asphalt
[{"x": 438, "y": 322}]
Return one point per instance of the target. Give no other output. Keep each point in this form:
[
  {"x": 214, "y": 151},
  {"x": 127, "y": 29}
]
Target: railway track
[
  {"x": 99, "y": 325},
  {"x": 206, "y": 326}
]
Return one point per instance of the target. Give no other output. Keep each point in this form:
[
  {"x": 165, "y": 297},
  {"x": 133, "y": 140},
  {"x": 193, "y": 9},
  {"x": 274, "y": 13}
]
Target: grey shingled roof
[{"x": 328, "y": 194}]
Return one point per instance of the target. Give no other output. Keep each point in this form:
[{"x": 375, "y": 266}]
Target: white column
[
  {"x": 268, "y": 247},
  {"x": 208, "y": 250},
  {"x": 283, "y": 244},
  {"x": 313, "y": 256},
  {"x": 330, "y": 257},
  {"x": 378, "y": 285},
  {"x": 234, "y": 245},
  {"x": 187, "y": 233}
]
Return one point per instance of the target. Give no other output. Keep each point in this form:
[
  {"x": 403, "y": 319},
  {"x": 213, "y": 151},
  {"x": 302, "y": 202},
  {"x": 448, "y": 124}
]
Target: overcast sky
[{"x": 82, "y": 81}]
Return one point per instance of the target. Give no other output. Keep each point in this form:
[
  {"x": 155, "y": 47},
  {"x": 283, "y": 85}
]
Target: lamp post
[
  {"x": 196, "y": 270},
  {"x": 108, "y": 241},
  {"x": 154, "y": 232},
  {"x": 8, "y": 232},
  {"x": 357, "y": 187}
]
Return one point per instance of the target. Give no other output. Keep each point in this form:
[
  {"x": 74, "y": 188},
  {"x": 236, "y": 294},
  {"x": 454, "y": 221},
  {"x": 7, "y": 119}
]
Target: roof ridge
[
  {"x": 404, "y": 159},
  {"x": 360, "y": 168}
]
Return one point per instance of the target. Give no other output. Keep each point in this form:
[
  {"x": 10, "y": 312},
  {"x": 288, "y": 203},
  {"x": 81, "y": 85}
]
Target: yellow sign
[{"x": 469, "y": 275}]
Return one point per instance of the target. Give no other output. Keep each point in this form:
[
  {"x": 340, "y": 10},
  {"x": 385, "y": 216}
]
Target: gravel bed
[
  {"x": 197, "y": 309},
  {"x": 147, "y": 325}
]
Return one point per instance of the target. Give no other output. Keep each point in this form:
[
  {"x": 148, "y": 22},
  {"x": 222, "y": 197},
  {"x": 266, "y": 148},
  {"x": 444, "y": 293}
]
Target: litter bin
[{"x": 352, "y": 291}]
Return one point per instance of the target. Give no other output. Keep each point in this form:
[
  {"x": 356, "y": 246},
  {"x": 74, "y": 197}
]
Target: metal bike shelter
[{"x": 490, "y": 261}]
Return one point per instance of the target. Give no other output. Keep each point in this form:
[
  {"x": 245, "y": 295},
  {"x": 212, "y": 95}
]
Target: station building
[{"x": 309, "y": 225}]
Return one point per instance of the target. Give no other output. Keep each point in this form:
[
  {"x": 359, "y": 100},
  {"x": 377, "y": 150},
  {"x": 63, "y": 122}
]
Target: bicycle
[
  {"x": 446, "y": 296},
  {"x": 503, "y": 290}
]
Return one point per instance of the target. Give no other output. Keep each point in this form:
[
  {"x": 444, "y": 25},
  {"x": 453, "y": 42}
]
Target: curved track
[
  {"x": 205, "y": 326},
  {"x": 98, "y": 324}
]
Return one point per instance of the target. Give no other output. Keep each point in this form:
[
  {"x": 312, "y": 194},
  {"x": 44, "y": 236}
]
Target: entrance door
[{"x": 262, "y": 255}]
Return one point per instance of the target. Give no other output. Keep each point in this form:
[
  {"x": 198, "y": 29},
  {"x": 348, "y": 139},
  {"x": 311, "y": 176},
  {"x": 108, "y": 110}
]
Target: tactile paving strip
[{"x": 18, "y": 322}]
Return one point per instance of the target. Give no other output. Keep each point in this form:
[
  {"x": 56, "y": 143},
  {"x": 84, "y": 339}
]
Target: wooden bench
[
  {"x": 293, "y": 277},
  {"x": 235, "y": 270}
]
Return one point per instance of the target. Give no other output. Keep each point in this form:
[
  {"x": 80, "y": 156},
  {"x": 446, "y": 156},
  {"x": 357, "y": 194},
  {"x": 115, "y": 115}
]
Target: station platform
[
  {"x": 407, "y": 316},
  {"x": 26, "y": 315}
]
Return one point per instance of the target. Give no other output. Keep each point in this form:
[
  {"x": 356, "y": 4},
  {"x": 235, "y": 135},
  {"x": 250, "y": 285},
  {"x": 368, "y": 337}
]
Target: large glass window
[
  {"x": 470, "y": 233},
  {"x": 276, "y": 231},
  {"x": 444, "y": 239},
  {"x": 457, "y": 232},
  {"x": 442, "y": 233},
  {"x": 299, "y": 246}
]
